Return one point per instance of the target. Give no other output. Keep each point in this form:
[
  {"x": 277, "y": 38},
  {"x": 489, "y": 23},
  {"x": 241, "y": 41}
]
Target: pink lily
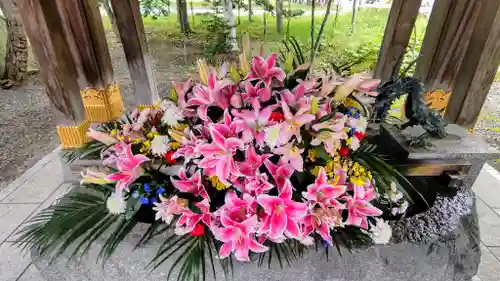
[
  {"x": 321, "y": 191},
  {"x": 189, "y": 219},
  {"x": 105, "y": 138},
  {"x": 255, "y": 122},
  {"x": 218, "y": 93},
  {"x": 258, "y": 184},
  {"x": 293, "y": 123},
  {"x": 265, "y": 70},
  {"x": 252, "y": 161},
  {"x": 360, "y": 208},
  {"x": 322, "y": 220},
  {"x": 283, "y": 214},
  {"x": 239, "y": 209},
  {"x": 219, "y": 155},
  {"x": 181, "y": 88},
  {"x": 193, "y": 185},
  {"x": 229, "y": 128},
  {"x": 280, "y": 172},
  {"x": 256, "y": 94},
  {"x": 291, "y": 154},
  {"x": 129, "y": 167},
  {"x": 188, "y": 147},
  {"x": 168, "y": 208},
  {"x": 238, "y": 237}
]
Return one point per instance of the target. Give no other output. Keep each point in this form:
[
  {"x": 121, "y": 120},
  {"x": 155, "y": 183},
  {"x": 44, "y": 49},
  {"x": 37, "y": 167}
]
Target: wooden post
[
  {"x": 44, "y": 27},
  {"x": 478, "y": 69},
  {"x": 82, "y": 22},
  {"x": 445, "y": 42},
  {"x": 396, "y": 37},
  {"x": 131, "y": 28}
]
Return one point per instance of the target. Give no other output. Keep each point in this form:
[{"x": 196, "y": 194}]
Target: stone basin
[{"x": 439, "y": 244}]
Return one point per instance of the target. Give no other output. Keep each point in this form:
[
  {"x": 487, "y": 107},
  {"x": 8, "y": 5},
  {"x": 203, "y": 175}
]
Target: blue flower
[
  {"x": 153, "y": 200},
  {"x": 147, "y": 188},
  {"x": 357, "y": 115},
  {"x": 325, "y": 244},
  {"x": 144, "y": 200},
  {"x": 135, "y": 194},
  {"x": 160, "y": 190}
]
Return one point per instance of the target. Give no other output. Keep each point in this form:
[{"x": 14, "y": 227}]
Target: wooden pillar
[
  {"x": 445, "y": 42},
  {"x": 43, "y": 24},
  {"x": 131, "y": 28},
  {"x": 397, "y": 35},
  {"x": 82, "y": 22},
  {"x": 477, "y": 71}
]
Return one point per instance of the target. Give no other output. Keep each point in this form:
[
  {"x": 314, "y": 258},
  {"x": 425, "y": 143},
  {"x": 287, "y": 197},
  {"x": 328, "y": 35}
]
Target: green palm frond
[
  {"x": 189, "y": 256},
  {"x": 90, "y": 150},
  {"x": 384, "y": 174},
  {"x": 78, "y": 219}
]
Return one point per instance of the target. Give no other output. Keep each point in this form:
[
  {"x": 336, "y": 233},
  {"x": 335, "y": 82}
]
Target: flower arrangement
[{"x": 258, "y": 161}]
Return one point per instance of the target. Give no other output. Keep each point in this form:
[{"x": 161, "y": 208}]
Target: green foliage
[
  {"x": 293, "y": 13},
  {"x": 265, "y": 4},
  {"x": 155, "y": 8},
  {"x": 217, "y": 40}
]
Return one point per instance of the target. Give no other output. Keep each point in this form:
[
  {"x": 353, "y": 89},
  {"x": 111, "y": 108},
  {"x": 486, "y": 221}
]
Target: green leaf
[
  {"x": 289, "y": 62},
  {"x": 193, "y": 207},
  {"x": 133, "y": 205},
  {"x": 326, "y": 118},
  {"x": 173, "y": 95},
  {"x": 234, "y": 74},
  {"x": 321, "y": 153}
]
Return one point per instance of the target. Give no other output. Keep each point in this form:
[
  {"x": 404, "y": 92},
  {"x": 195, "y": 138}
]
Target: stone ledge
[{"x": 454, "y": 256}]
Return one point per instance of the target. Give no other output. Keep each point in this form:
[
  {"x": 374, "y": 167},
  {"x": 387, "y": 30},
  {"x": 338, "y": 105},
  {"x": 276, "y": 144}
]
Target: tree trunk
[
  {"x": 249, "y": 11},
  {"x": 279, "y": 16},
  {"x": 16, "y": 59},
  {"x": 182, "y": 15},
  {"x": 111, "y": 15},
  {"x": 353, "y": 20},
  {"x": 229, "y": 17}
]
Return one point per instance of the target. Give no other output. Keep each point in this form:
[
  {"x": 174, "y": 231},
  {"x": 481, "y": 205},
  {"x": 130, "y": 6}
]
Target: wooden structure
[{"x": 460, "y": 53}]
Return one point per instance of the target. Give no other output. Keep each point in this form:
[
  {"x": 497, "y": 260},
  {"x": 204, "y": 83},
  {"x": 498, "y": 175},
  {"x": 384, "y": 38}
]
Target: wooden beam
[
  {"x": 131, "y": 28},
  {"x": 83, "y": 23},
  {"x": 445, "y": 42},
  {"x": 478, "y": 69},
  {"x": 44, "y": 27},
  {"x": 396, "y": 37}
]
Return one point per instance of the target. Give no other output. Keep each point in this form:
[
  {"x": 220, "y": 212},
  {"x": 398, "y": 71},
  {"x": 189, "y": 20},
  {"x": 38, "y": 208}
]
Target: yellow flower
[
  {"x": 217, "y": 183},
  {"x": 312, "y": 155},
  {"x": 175, "y": 145}
]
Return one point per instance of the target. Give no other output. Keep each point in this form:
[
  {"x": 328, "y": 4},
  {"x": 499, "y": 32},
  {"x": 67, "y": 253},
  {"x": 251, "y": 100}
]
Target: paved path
[{"x": 42, "y": 184}]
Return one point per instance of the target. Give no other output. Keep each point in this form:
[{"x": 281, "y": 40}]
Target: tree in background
[
  {"x": 16, "y": 59},
  {"x": 106, "y": 5},
  {"x": 249, "y": 11},
  {"x": 229, "y": 17},
  {"x": 182, "y": 16},
  {"x": 279, "y": 16},
  {"x": 353, "y": 20}
]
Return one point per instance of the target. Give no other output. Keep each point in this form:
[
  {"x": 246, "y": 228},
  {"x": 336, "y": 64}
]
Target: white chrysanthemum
[
  {"x": 116, "y": 204},
  {"x": 171, "y": 113},
  {"x": 272, "y": 135},
  {"x": 160, "y": 145},
  {"x": 381, "y": 232},
  {"x": 401, "y": 209},
  {"x": 307, "y": 241}
]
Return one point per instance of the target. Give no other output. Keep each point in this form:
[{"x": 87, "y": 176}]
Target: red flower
[
  {"x": 198, "y": 230},
  {"x": 360, "y": 135},
  {"x": 344, "y": 151},
  {"x": 169, "y": 158},
  {"x": 276, "y": 116}
]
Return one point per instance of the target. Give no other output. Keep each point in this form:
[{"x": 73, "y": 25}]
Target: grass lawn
[
  {"x": 293, "y": 6},
  {"x": 338, "y": 38}
]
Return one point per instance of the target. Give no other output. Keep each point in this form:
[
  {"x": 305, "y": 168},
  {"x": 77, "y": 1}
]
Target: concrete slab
[
  {"x": 487, "y": 187},
  {"x": 11, "y": 216},
  {"x": 12, "y": 262},
  {"x": 31, "y": 274},
  {"x": 489, "y": 224},
  {"x": 489, "y": 269},
  {"x": 39, "y": 186}
]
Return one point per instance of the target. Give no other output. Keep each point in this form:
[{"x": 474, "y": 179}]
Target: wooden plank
[
  {"x": 83, "y": 23},
  {"x": 445, "y": 42},
  {"x": 396, "y": 37},
  {"x": 131, "y": 28},
  {"x": 44, "y": 27},
  {"x": 478, "y": 69}
]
